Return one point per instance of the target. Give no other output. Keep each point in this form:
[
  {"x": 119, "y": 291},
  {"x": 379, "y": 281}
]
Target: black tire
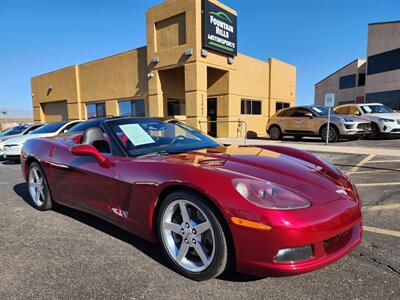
[
  {"x": 219, "y": 260},
  {"x": 334, "y": 134},
  {"x": 275, "y": 133},
  {"x": 45, "y": 201},
  {"x": 375, "y": 132}
]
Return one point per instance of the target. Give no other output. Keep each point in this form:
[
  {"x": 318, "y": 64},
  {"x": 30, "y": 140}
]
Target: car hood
[
  {"x": 7, "y": 137},
  {"x": 23, "y": 138},
  {"x": 394, "y": 116},
  {"x": 254, "y": 162},
  {"x": 347, "y": 117}
]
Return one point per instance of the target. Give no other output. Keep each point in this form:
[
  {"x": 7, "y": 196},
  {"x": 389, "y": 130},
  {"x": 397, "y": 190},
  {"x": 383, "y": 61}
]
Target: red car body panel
[{"x": 127, "y": 193}]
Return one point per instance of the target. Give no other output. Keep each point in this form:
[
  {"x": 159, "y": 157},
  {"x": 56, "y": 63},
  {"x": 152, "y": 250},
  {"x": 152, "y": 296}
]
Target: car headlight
[
  {"x": 385, "y": 120},
  {"x": 268, "y": 195},
  {"x": 343, "y": 119}
]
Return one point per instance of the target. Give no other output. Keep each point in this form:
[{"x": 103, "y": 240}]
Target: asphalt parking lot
[
  {"x": 68, "y": 254},
  {"x": 391, "y": 141}
]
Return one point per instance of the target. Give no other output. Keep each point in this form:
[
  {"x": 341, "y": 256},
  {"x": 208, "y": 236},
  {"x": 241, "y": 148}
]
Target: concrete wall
[
  {"x": 331, "y": 84},
  {"x": 63, "y": 85},
  {"x": 383, "y": 37}
]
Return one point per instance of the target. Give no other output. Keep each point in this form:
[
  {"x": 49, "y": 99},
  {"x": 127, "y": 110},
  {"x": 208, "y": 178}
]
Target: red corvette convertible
[{"x": 264, "y": 210}]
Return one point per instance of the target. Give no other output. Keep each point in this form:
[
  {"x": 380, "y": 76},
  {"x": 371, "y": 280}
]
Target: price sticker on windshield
[{"x": 136, "y": 134}]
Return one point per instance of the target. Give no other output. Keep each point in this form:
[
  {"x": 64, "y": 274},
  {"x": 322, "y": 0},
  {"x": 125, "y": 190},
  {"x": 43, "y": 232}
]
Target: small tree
[{"x": 3, "y": 113}]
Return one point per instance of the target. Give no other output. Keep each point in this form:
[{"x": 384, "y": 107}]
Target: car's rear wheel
[
  {"x": 275, "y": 132},
  {"x": 192, "y": 236},
  {"x": 333, "y": 133},
  {"x": 38, "y": 188}
]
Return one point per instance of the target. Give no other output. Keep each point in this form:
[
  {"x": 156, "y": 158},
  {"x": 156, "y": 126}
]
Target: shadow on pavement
[
  {"x": 152, "y": 250},
  {"x": 9, "y": 162}
]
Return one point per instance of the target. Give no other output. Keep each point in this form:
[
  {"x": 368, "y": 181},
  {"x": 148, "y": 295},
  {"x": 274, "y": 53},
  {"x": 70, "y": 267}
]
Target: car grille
[{"x": 364, "y": 126}]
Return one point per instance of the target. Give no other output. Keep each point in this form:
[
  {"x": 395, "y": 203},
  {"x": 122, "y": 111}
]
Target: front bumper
[
  {"x": 390, "y": 127},
  {"x": 331, "y": 236},
  {"x": 12, "y": 152},
  {"x": 355, "y": 129}
]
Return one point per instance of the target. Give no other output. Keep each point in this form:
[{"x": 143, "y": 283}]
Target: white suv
[{"x": 384, "y": 120}]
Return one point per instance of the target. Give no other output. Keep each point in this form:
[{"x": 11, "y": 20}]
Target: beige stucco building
[
  {"x": 174, "y": 75},
  {"x": 376, "y": 79}
]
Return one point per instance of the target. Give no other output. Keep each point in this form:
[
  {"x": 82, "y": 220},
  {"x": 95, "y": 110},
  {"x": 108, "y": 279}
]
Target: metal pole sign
[{"x": 329, "y": 102}]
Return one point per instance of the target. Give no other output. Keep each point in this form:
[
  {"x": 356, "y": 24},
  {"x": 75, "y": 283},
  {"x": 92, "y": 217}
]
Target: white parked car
[
  {"x": 18, "y": 130},
  {"x": 12, "y": 147},
  {"x": 384, "y": 120}
]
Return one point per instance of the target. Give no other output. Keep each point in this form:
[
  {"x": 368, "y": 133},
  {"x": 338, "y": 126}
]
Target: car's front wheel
[
  {"x": 333, "y": 133},
  {"x": 192, "y": 236},
  {"x": 38, "y": 188}
]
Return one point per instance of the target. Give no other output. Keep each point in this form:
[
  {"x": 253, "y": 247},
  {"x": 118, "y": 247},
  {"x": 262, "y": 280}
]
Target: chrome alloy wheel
[
  {"x": 274, "y": 133},
  {"x": 36, "y": 186},
  {"x": 188, "y": 236},
  {"x": 332, "y": 133}
]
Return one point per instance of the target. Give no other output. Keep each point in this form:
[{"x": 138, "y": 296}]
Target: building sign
[{"x": 219, "y": 28}]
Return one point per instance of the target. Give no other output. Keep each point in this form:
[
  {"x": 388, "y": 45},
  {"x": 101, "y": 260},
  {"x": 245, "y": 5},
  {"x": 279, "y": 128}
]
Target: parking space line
[
  {"x": 381, "y": 207},
  {"x": 361, "y": 163},
  {"x": 377, "y": 184},
  {"x": 382, "y": 231},
  {"x": 384, "y": 161},
  {"x": 373, "y": 171}
]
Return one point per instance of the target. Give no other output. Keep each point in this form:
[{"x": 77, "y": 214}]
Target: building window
[
  {"x": 250, "y": 107},
  {"x": 347, "y": 82},
  {"x": 281, "y": 105},
  {"x": 96, "y": 110},
  {"x": 361, "y": 79},
  {"x": 175, "y": 107},
  {"x": 389, "y": 98},
  {"x": 131, "y": 108},
  {"x": 384, "y": 62}
]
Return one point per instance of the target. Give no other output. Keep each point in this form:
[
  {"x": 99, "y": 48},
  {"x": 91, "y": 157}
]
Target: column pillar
[
  {"x": 196, "y": 95},
  {"x": 155, "y": 101}
]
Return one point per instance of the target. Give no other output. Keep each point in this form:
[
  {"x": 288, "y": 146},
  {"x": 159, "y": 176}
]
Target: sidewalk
[{"x": 317, "y": 148}]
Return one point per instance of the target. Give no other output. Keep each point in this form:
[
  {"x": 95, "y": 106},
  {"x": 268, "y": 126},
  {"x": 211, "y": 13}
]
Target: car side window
[
  {"x": 300, "y": 113},
  {"x": 286, "y": 112},
  {"x": 68, "y": 127}
]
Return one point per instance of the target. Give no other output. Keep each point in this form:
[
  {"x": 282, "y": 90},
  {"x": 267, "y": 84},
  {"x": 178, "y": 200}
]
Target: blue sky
[{"x": 37, "y": 36}]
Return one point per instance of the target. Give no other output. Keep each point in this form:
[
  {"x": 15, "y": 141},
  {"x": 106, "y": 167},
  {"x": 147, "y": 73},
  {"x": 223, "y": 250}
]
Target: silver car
[{"x": 312, "y": 121}]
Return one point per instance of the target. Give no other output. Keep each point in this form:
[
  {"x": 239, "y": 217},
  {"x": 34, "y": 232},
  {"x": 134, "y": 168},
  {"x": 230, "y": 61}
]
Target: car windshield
[
  {"x": 148, "y": 136},
  {"x": 14, "y": 130},
  {"x": 376, "y": 109},
  {"x": 81, "y": 127},
  {"x": 49, "y": 128},
  {"x": 321, "y": 110}
]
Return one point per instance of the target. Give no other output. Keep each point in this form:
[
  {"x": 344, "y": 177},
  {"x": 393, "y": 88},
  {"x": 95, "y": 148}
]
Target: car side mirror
[
  {"x": 309, "y": 115},
  {"x": 357, "y": 113},
  {"x": 89, "y": 150}
]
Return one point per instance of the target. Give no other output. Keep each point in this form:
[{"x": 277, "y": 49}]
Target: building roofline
[
  {"x": 338, "y": 70},
  {"x": 112, "y": 55},
  {"x": 91, "y": 61},
  {"x": 386, "y": 22}
]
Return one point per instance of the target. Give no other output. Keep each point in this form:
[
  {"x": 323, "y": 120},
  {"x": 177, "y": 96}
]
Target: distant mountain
[{"x": 15, "y": 112}]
